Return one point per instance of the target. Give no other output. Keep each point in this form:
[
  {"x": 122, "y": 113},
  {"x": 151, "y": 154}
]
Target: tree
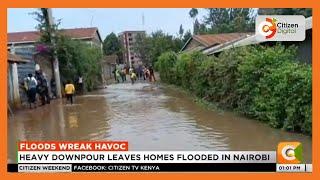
[
  {"x": 307, "y": 12},
  {"x": 75, "y": 57},
  {"x": 46, "y": 30},
  {"x": 149, "y": 48},
  {"x": 79, "y": 58},
  {"x": 186, "y": 37},
  {"x": 112, "y": 45},
  {"x": 142, "y": 47},
  {"x": 181, "y": 30},
  {"x": 227, "y": 20},
  {"x": 196, "y": 27},
  {"x": 193, "y": 13}
]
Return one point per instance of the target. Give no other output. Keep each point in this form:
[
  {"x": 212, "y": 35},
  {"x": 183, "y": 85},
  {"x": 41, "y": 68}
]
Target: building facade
[
  {"x": 14, "y": 87},
  {"x": 128, "y": 40},
  {"x": 24, "y": 44}
]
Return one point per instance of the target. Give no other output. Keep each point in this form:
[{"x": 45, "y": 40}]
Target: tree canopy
[
  {"x": 307, "y": 12},
  {"x": 111, "y": 45}
]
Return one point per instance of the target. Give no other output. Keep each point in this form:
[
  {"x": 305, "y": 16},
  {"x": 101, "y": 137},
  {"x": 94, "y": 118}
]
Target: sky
[{"x": 108, "y": 19}]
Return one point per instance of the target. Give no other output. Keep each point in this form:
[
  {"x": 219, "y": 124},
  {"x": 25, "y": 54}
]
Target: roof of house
[
  {"x": 33, "y": 36},
  {"x": 208, "y": 40},
  {"x": 246, "y": 41},
  {"x": 16, "y": 58}
]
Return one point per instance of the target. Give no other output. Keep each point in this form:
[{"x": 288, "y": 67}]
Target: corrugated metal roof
[
  {"x": 208, "y": 40},
  {"x": 246, "y": 41},
  {"x": 16, "y": 58},
  {"x": 33, "y": 36}
]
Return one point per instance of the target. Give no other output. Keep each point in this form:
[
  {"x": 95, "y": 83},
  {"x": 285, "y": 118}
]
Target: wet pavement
[{"x": 149, "y": 117}]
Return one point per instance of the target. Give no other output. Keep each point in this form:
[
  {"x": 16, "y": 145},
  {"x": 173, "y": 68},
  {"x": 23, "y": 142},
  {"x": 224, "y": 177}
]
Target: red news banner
[{"x": 73, "y": 146}]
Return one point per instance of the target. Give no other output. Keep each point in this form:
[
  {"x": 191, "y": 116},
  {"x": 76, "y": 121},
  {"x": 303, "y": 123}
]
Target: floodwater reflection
[{"x": 150, "y": 117}]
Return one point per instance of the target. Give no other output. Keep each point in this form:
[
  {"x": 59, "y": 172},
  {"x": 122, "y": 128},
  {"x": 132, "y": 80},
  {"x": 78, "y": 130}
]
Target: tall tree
[
  {"x": 181, "y": 30},
  {"x": 196, "y": 27},
  {"x": 142, "y": 47},
  {"x": 193, "y": 13},
  {"x": 46, "y": 30},
  {"x": 307, "y": 12},
  {"x": 187, "y": 35},
  {"x": 226, "y": 20},
  {"x": 150, "y": 47},
  {"x": 111, "y": 45}
]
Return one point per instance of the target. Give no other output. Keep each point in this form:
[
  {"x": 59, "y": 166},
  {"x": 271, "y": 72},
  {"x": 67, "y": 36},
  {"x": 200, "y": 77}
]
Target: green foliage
[
  {"x": 149, "y": 48},
  {"x": 47, "y": 31},
  {"x": 193, "y": 12},
  {"x": 226, "y": 20},
  {"x": 265, "y": 83},
  {"x": 112, "y": 45},
  {"x": 257, "y": 64},
  {"x": 79, "y": 58},
  {"x": 75, "y": 57},
  {"x": 166, "y": 65},
  {"x": 307, "y": 12}
]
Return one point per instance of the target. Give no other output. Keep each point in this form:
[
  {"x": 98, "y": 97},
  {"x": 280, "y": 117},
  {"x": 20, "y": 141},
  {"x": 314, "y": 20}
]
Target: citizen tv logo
[
  {"x": 280, "y": 28},
  {"x": 289, "y": 153}
]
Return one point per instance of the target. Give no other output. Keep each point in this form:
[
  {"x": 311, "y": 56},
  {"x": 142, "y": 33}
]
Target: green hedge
[{"x": 264, "y": 83}]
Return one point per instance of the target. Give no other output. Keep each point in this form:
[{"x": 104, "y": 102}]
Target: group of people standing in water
[{"x": 139, "y": 73}]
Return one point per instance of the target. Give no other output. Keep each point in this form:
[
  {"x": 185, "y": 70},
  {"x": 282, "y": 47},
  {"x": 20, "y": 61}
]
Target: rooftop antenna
[
  {"x": 142, "y": 21},
  {"x": 91, "y": 20},
  {"x": 92, "y": 15}
]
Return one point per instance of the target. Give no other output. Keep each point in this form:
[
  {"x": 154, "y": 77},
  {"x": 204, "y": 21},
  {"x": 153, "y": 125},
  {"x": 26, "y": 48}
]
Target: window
[
  {"x": 131, "y": 57},
  {"x": 129, "y": 34},
  {"x": 130, "y": 39}
]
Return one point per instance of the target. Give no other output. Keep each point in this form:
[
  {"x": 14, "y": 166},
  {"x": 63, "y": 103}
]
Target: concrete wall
[
  {"x": 13, "y": 85},
  {"x": 26, "y": 51}
]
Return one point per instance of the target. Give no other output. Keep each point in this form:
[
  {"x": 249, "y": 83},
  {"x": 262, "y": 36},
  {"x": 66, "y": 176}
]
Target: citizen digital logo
[{"x": 280, "y": 28}]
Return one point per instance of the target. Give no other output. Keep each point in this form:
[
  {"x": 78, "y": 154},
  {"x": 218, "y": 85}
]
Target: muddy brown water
[{"x": 149, "y": 117}]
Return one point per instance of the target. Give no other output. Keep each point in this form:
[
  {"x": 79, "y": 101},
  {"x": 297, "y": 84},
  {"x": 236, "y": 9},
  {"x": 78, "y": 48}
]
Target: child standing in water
[{"x": 69, "y": 90}]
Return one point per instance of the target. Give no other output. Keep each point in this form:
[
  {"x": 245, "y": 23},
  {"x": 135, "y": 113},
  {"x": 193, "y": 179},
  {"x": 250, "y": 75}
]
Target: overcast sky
[{"x": 108, "y": 19}]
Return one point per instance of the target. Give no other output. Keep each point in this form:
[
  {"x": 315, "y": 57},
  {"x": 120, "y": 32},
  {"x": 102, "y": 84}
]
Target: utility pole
[{"x": 56, "y": 70}]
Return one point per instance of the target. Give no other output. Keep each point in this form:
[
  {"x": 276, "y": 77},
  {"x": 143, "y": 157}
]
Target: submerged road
[{"x": 150, "y": 117}]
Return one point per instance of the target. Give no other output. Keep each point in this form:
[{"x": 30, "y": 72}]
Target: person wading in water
[
  {"x": 31, "y": 87},
  {"x": 69, "y": 90}
]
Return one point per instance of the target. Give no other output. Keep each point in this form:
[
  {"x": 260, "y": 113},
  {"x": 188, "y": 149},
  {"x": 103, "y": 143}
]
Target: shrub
[
  {"x": 79, "y": 58},
  {"x": 257, "y": 63},
  {"x": 266, "y": 83},
  {"x": 166, "y": 66}
]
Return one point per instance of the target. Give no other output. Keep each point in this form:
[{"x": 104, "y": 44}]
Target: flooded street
[{"x": 149, "y": 117}]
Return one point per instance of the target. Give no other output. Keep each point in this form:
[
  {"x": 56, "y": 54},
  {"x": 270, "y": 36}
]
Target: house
[
  {"x": 13, "y": 80},
  {"x": 127, "y": 39},
  {"x": 202, "y": 42},
  {"x": 108, "y": 66},
  {"x": 304, "y": 47},
  {"x": 23, "y": 44}
]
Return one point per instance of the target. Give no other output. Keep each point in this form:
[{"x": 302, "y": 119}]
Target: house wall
[
  {"x": 26, "y": 52},
  {"x": 96, "y": 39},
  {"x": 9, "y": 84},
  {"x": 304, "y": 48},
  {"x": 13, "y": 85},
  {"x": 107, "y": 69},
  {"x": 192, "y": 45}
]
